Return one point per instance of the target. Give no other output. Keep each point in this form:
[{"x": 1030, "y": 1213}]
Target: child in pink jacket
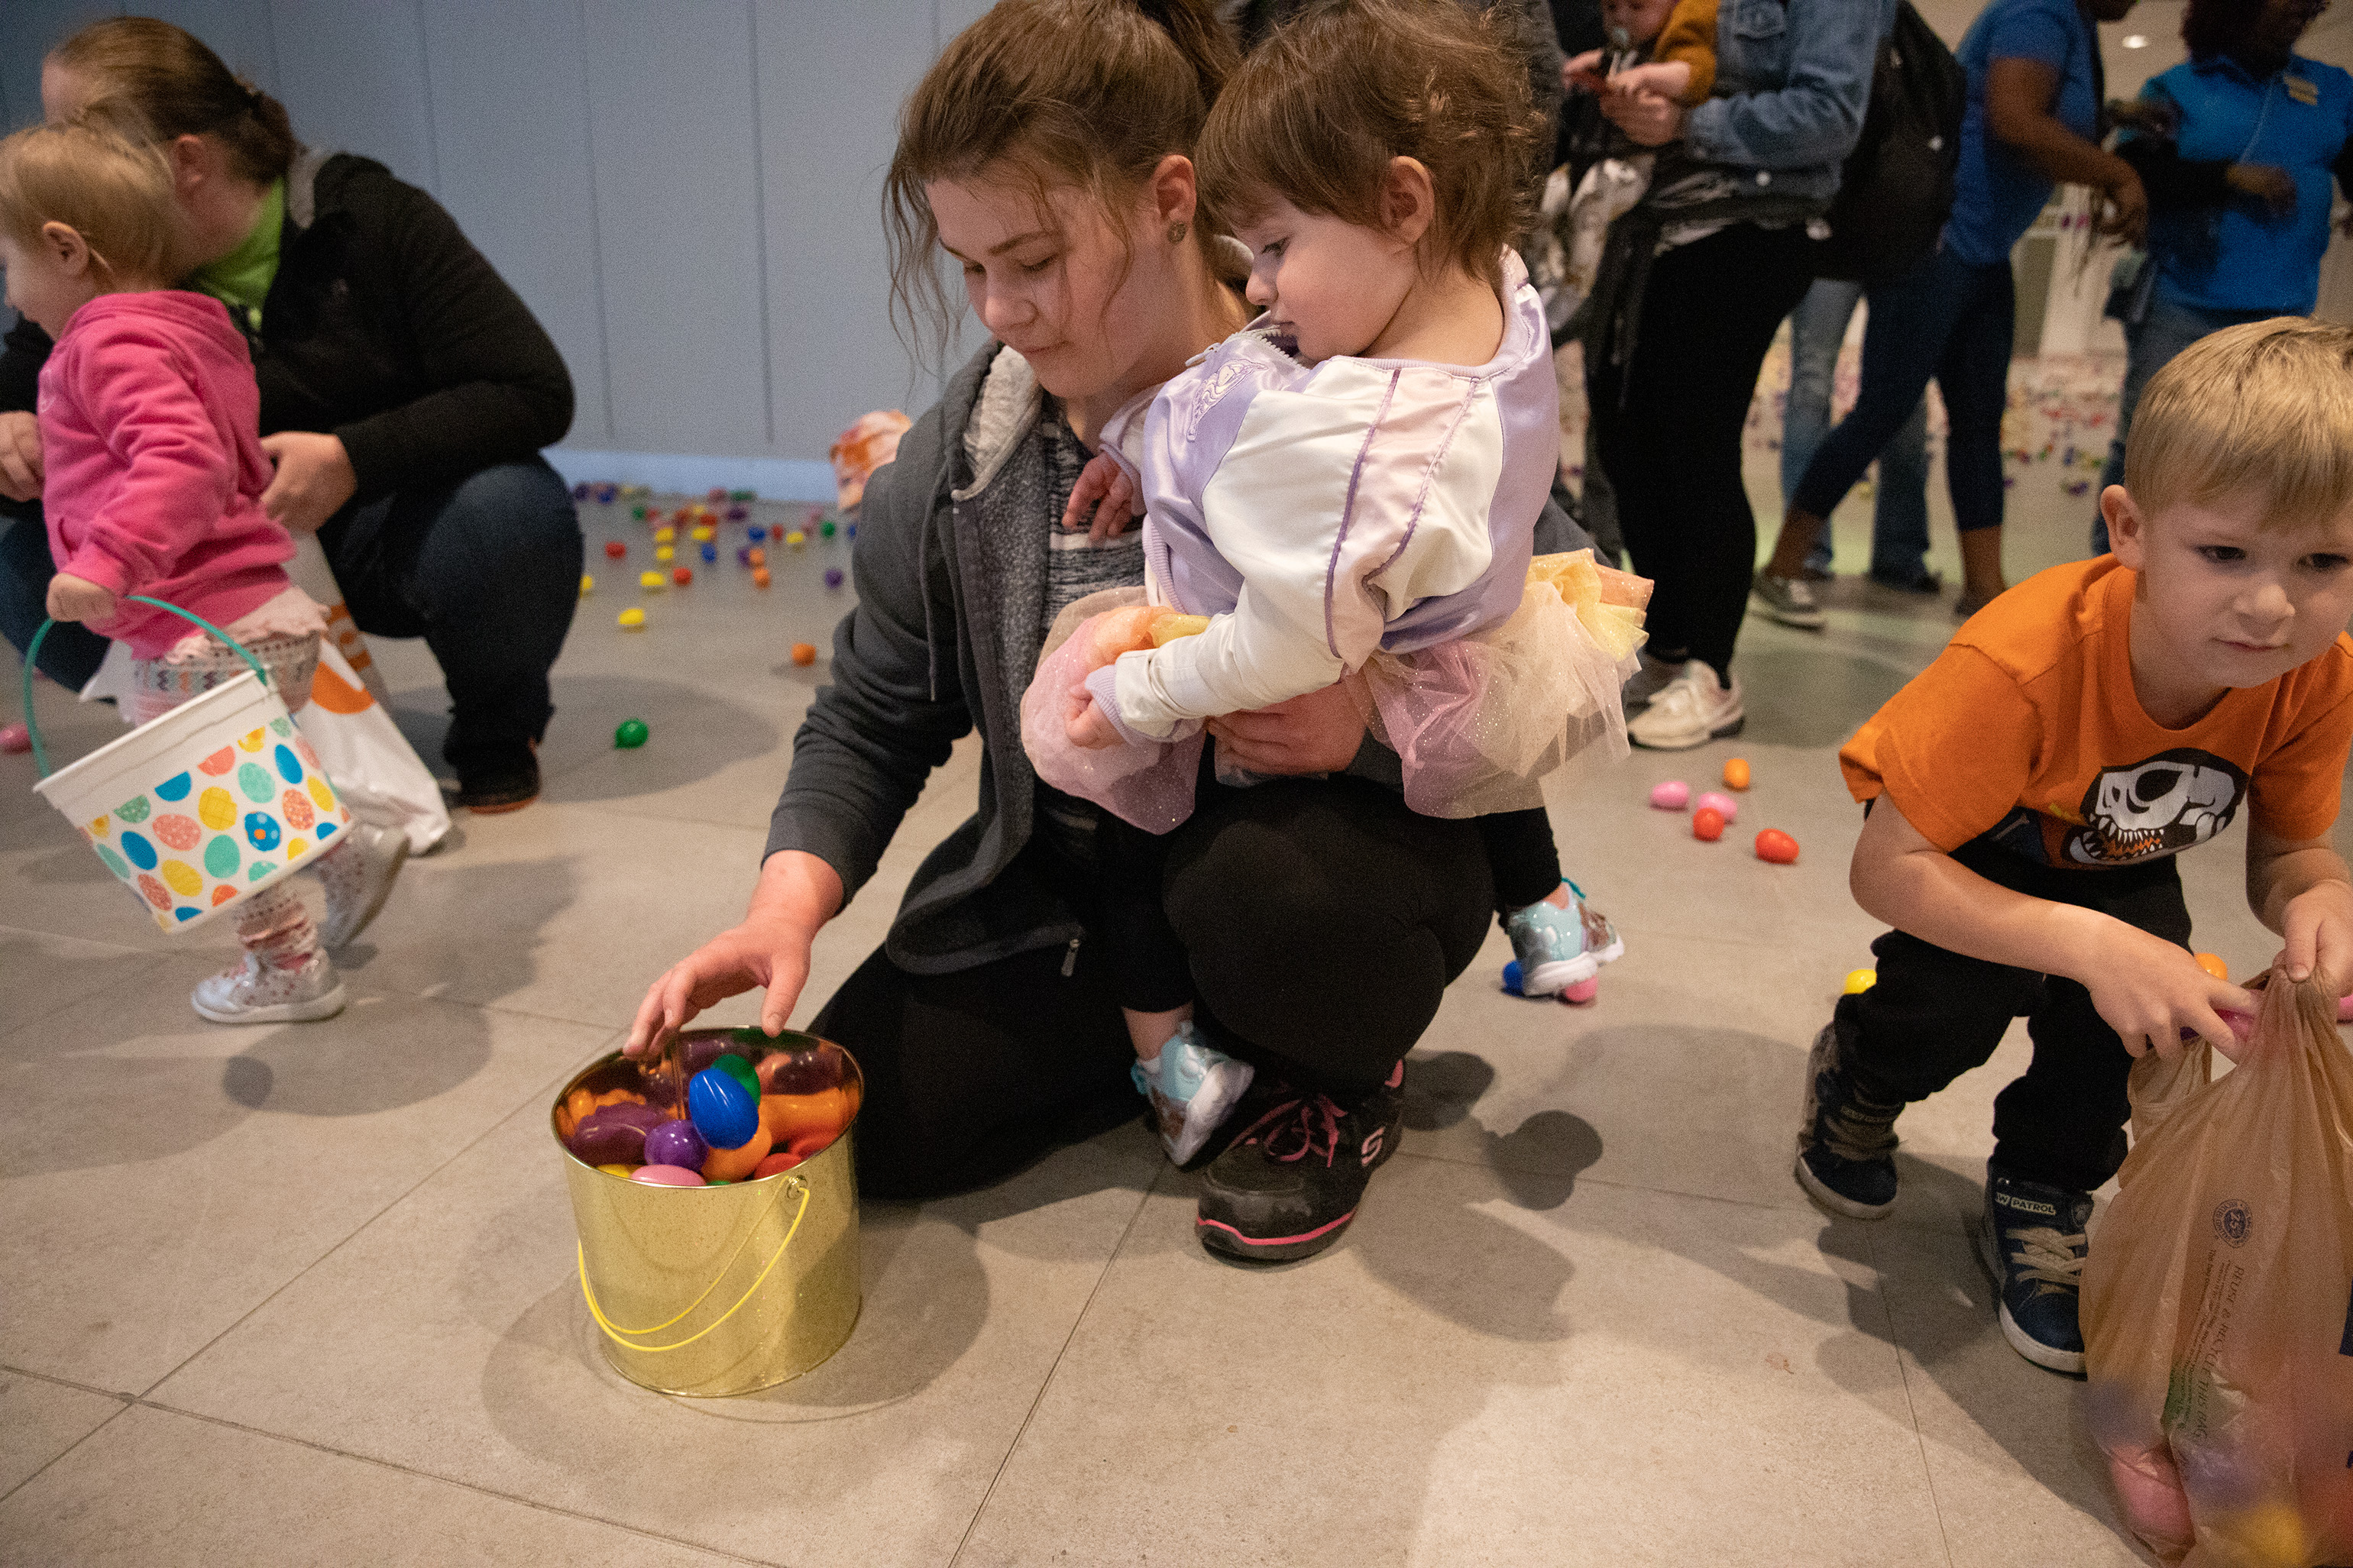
[{"x": 152, "y": 471}]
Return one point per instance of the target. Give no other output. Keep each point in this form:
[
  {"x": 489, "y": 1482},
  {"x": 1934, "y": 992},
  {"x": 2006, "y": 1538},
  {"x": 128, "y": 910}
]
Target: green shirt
[{"x": 241, "y": 280}]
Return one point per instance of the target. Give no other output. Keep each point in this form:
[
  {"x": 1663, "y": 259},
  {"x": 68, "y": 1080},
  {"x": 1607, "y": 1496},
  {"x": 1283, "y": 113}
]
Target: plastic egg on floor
[
  {"x": 1671, "y": 795},
  {"x": 614, "y": 549},
  {"x": 1578, "y": 992},
  {"x": 630, "y": 620},
  {"x": 1707, "y": 824},
  {"x": 803, "y": 653},
  {"x": 1722, "y": 804},
  {"x": 1777, "y": 847},
  {"x": 1735, "y": 772},
  {"x": 652, "y": 582}
]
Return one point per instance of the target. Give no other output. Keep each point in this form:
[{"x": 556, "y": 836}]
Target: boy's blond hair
[
  {"x": 111, "y": 188},
  {"x": 2263, "y": 408}
]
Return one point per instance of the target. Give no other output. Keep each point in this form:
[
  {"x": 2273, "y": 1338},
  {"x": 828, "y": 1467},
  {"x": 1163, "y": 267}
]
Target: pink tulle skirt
[{"x": 1150, "y": 786}]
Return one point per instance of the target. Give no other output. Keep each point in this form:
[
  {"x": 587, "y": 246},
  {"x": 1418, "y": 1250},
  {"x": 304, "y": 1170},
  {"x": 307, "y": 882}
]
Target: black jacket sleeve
[
  {"x": 27, "y": 350},
  {"x": 2174, "y": 182},
  {"x": 896, "y": 703},
  {"x": 501, "y": 390}
]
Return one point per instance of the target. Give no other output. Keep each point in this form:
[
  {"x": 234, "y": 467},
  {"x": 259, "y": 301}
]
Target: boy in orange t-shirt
[{"x": 2026, "y": 795}]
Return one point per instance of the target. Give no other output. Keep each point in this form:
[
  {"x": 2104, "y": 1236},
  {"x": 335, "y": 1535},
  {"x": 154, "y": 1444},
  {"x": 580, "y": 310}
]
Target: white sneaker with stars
[{"x": 252, "y": 992}]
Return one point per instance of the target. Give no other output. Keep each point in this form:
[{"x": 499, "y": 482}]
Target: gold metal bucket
[{"x": 710, "y": 1291}]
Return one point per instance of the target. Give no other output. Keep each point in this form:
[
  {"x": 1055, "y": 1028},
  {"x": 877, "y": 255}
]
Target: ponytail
[
  {"x": 168, "y": 81},
  {"x": 1086, "y": 94}
]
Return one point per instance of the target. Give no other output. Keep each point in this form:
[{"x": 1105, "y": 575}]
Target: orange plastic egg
[
  {"x": 735, "y": 1164},
  {"x": 2212, "y": 964},
  {"x": 803, "y": 653},
  {"x": 1707, "y": 823},
  {"x": 1777, "y": 847},
  {"x": 1735, "y": 772},
  {"x": 791, "y": 1119}
]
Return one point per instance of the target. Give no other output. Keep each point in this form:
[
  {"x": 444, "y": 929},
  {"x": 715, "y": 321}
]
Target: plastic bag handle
[
  {"x": 33, "y": 648},
  {"x": 617, "y": 1333}
]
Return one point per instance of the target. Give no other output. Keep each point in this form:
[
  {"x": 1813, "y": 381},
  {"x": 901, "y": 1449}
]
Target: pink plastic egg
[
  {"x": 1672, "y": 795},
  {"x": 668, "y": 1176},
  {"x": 1721, "y": 804}
]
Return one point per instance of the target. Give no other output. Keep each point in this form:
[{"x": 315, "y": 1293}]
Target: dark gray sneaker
[
  {"x": 1846, "y": 1143},
  {"x": 1788, "y": 600},
  {"x": 2034, "y": 1245}
]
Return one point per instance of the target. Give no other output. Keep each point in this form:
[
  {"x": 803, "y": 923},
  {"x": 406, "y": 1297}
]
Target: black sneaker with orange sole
[{"x": 1290, "y": 1183}]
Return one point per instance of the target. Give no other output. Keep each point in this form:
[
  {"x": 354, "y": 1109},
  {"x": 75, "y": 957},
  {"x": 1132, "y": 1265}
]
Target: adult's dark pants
[
  {"x": 1669, "y": 423},
  {"x": 1934, "y": 1015},
  {"x": 1322, "y": 921},
  {"x": 486, "y": 570},
  {"x": 1944, "y": 318}
]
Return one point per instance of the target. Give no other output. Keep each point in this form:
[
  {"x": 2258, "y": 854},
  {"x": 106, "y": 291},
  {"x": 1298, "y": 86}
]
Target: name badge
[{"x": 2300, "y": 89}]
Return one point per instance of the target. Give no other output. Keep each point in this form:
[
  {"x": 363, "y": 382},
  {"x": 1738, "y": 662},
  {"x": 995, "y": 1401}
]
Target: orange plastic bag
[{"x": 2218, "y": 1300}]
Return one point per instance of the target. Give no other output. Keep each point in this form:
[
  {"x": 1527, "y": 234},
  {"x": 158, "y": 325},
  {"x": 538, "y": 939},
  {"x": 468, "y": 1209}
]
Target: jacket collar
[{"x": 302, "y": 186}]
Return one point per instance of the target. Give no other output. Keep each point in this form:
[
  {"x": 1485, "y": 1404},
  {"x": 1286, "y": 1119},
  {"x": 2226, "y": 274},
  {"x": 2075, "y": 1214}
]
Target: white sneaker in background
[
  {"x": 1648, "y": 681},
  {"x": 1690, "y": 710},
  {"x": 358, "y": 877}
]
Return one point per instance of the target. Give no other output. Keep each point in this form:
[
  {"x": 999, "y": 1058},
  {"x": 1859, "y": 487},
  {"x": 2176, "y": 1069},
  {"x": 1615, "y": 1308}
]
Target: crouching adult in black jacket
[{"x": 405, "y": 393}]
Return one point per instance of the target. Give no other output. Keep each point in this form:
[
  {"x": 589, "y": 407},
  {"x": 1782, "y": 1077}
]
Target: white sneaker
[
  {"x": 1788, "y": 600},
  {"x": 358, "y": 877},
  {"x": 251, "y": 992},
  {"x": 1648, "y": 681},
  {"x": 1692, "y": 709},
  {"x": 1193, "y": 1087}
]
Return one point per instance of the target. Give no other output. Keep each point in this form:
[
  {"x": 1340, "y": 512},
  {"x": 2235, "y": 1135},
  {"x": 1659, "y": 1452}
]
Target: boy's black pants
[{"x": 1934, "y": 1015}]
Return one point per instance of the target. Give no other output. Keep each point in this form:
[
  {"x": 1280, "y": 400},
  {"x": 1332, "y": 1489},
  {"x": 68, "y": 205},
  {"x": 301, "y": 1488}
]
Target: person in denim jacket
[{"x": 1694, "y": 283}]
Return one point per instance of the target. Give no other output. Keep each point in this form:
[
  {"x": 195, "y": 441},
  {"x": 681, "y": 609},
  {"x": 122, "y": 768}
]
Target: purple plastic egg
[
  {"x": 1719, "y": 803},
  {"x": 833, "y": 576},
  {"x": 676, "y": 1143},
  {"x": 1672, "y": 795},
  {"x": 614, "y": 1134},
  {"x": 699, "y": 1051}
]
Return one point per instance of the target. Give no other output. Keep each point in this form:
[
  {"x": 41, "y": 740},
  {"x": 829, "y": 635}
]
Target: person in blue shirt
[
  {"x": 2239, "y": 149},
  {"x": 2032, "y": 120}
]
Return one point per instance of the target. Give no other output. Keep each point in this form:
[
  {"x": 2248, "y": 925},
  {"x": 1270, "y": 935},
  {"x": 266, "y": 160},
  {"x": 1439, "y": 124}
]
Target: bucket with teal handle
[{"x": 206, "y": 806}]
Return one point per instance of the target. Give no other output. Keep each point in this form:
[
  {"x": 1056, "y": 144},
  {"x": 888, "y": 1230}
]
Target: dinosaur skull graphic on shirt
[{"x": 2169, "y": 803}]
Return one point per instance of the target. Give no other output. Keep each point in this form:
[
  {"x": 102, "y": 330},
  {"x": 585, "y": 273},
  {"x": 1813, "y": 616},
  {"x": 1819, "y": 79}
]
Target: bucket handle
[
  {"x": 33, "y": 649},
  {"x": 616, "y": 1332}
]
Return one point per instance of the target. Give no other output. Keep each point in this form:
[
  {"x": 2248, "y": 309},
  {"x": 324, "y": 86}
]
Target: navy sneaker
[
  {"x": 2034, "y": 1245},
  {"x": 1846, "y": 1144},
  {"x": 1289, "y": 1184}
]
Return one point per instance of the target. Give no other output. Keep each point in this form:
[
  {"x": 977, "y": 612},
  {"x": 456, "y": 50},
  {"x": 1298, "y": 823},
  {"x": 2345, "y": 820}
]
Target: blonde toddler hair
[
  {"x": 98, "y": 179},
  {"x": 2263, "y": 408}
]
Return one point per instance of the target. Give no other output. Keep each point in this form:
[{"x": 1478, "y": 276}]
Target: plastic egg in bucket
[
  {"x": 722, "y": 1267},
  {"x": 193, "y": 810}
]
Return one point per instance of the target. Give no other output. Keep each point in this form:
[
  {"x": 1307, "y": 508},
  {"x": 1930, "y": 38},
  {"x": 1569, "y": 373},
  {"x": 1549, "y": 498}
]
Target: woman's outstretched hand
[{"x": 797, "y": 895}]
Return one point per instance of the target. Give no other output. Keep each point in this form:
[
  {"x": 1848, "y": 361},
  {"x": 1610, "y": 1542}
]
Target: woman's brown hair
[
  {"x": 1315, "y": 114},
  {"x": 180, "y": 87},
  {"x": 1091, "y": 94}
]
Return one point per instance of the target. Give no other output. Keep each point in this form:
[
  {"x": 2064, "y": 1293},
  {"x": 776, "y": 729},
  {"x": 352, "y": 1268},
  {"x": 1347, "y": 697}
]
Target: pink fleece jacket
[{"x": 151, "y": 452}]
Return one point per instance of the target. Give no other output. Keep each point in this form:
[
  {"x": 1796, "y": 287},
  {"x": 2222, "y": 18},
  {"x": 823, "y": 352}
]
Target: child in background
[
  {"x": 149, "y": 439},
  {"x": 1664, "y": 48},
  {"x": 2026, "y": 795},
  {"x": 1350, "y": 488}
]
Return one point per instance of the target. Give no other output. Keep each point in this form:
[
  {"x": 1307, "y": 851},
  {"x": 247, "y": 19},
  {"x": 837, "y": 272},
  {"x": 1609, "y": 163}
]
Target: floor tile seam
[
  {"x": 507, "y": 1008},
  {"x": 1582, "y": 1179},
  {"x": 111, "y": 1417},
  {"x": 9, "y": 927},
  {"x": 422, "y": 1474},
  {"x": 545, "y": 1087},
  {"x": 1911, "y": 1405},
  {"x": 1046, "y": 1383}
]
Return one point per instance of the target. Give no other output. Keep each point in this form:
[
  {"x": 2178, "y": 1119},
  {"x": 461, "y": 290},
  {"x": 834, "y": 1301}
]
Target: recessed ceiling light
[{"x": 2136, "y": 41}]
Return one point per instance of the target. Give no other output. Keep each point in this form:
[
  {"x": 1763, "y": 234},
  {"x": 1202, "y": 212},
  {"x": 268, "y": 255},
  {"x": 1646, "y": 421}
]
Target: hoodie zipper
[{"x": 1070, "y": 958}]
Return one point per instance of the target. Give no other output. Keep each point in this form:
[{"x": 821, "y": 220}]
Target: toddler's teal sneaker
[
  {"x": 1193, "y": 1087},
  {"x": 1556, "y": 948}
]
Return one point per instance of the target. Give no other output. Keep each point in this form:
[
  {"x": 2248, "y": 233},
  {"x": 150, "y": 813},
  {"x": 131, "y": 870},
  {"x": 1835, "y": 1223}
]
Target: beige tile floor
[{"x": 291, "y": 1295}]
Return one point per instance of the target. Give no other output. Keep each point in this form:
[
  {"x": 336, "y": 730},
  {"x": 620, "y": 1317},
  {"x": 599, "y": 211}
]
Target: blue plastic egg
[
  {"x": 723, "y": 1113},
  {"x": 1512, "y": 978}
]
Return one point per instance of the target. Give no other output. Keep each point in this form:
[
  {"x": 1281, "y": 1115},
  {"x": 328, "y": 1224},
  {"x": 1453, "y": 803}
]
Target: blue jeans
[
  {"x": 2167, "y": 329},
  {"x": 1952, "y": 320},
  {"x": 1899, "y": 514},
  {"x": 485, "y": 569}
]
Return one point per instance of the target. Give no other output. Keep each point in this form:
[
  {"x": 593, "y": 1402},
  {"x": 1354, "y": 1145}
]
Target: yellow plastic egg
[
  {"x": 1859, "y": 980},
  {"x": 652, "y": 582},
  {"x": 587, "y": 585},
  {"x": 630, "y": 620},
  {"x": 665, "y": 554},
  {"x": 664, "y": 535},
  {"x": 796, "y": 539}
]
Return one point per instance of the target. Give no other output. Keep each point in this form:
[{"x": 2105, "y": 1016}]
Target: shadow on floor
[{"x": 1798, "y": 697}]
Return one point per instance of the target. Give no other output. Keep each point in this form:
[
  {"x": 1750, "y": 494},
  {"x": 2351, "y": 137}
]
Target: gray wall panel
[
  {"x": 676, "y": 147},
  {"x": 511, "y": 118},
  {"x": 351, "y": 73},
  {"x": 831, "y": 79},
  {"x": 28, "y": 28}
]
